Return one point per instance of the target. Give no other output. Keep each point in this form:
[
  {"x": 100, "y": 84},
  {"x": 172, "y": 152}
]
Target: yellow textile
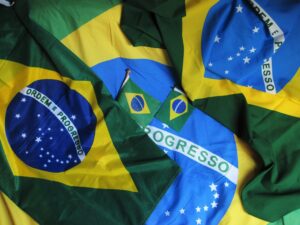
[
  {"x": 248, "y": 167},
  {"x": 10, "y": 214}
]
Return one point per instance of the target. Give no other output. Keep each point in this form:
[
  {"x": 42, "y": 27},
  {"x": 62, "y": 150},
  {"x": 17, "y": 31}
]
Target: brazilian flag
[
  {"x": 140, "y": 105},
  {"x": 238, "y": 61},
  {"x": 69, "y": 154},
  {"x": 175, "y": 110}
]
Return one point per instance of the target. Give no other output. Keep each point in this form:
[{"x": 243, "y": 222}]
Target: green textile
[{"x": 292, "y": 218}]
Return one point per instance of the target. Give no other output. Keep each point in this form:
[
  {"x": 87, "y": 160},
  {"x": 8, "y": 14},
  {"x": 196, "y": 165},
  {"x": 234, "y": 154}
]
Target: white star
[
  {"x": 239, "y": 9},
  {"x": 226, "y": 71},
  {"x": 182, "y": 211},
  {"x": 18, "y": 116},
  {"x": 61, "y": 162},
  {"x": 242, "y": 48},
  {"x": 198, "y": 221},
  {"x": 210, "y": 64},
  {"x": 252, "y": 50},
  {"x": 48, "y": 153},
  {"x": 213, "y": 187},
  {"x": 246, "y": 60},
  {"x": 230, "y": 58},
  {"x": 214, "y": 204},
  {"x": 42, "y": 149},
  {"x": 167, "y": 213},
  {"x": 23, "y": 100},
  {"x": 26, "y": 152},
  {"x": 216, "y": 195},
  {"x": 226, "y": 184},
  {"x": 238, "y": 54},
  {"x": 217, "y": 39},
  {"x": 255, "y": 30},
  {"x": 61, "y": 129},
  {"x": 165, "y": 125},
  {"x": 198, "y": 209},
  {"x": 70, "y": 156},
  {"x": 49, "y": 128},
  {"x": 75, "y": 161},
  {"x": 205, "y": 208},
  {"x": 51, "y": 138},
  {"x": 38, "y": 115},
  {"x": 24, "y": 135},
  {"x": 57, "y": 160},
  {"x": 41, "y": 156},
  {"x": 45, "y": 165},
  {"x": 40, "y": 129},
  {"x": 73, "y": 117},
  {"x": 49, "y": 161},
  {"x": 52, "y": 156},
  {"x": 38, "y": 139},
  {"x": 67, "y": 161}
]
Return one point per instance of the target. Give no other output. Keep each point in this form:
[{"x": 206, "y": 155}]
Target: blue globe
[
  {"x": 137, "y": 103},
  {"x": 179, "y": 106},
  {"x": 50, "y": 126}
]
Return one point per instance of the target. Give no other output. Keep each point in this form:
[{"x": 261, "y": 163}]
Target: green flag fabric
[
  {"x": 236, "y": 63},
  {"x": 290, "y": 219},
  {"x": 62, "y": 17},
  {"x": 69, "y": 153}
]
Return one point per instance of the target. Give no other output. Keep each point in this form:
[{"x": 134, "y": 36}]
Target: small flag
[
  {"x": 142, "y": 106},
  {"x": 175, "y": 110}
]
